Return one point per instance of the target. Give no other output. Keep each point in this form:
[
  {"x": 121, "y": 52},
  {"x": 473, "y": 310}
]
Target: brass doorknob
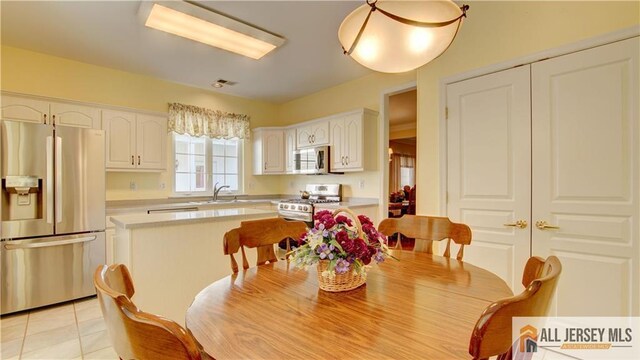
[
  {"x": 521, "y": 224},
  {"x": 542, "y": 225}
]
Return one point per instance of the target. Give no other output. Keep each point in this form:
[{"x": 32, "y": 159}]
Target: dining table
[{"x": 415, "y": 305}]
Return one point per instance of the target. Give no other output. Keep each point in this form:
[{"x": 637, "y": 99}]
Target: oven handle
[{"x": 49, "y": 243}]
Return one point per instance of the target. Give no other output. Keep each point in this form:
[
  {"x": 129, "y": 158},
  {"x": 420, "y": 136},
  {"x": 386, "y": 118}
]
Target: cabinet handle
[
  {"x": 53, "y": 119},
  {"x": 342, "y": 160},
  {"x": 265, "y": 165},
  {"x": 138, "y": 159},
  {"x": 309, "y": 139},
  {"x": 313, "y": 137},
  {"x": 346, "y": 160},
  {"x": 521, "y": 224},
  {"x": 132, "y": 160},
  {"x": 542, "y": 225},
  {"x": 45, "y": 118}
]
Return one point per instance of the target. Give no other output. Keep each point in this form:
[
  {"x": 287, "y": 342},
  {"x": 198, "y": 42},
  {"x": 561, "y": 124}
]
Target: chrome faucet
[{"x": 217, "y": 189}]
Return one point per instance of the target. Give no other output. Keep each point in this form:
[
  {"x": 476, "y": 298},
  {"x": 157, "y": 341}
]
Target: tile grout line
[
  {"x": 75, "y": 316},
  {"x": 24, "y": 336}
]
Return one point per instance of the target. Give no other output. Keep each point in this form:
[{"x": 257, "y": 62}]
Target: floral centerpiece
[{"x": 341, "y": 248}]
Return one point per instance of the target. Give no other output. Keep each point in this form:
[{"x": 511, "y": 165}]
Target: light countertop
[{"x": 176, "y": 218}]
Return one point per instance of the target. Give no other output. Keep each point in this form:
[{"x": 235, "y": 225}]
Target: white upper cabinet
[
  {"x": 24, "y": 109},
  {"x": 151, "y": 140},
  {"x": 268, "y": 151},
  {"x": 289, "y": 149},
  {"x": 18, "y": 108},
  {"x": 314, "y": 133},
  {"x": 73, "y": 115},
  {"x": 349, "y": 133},
  {"x": 135, "y": 141}
]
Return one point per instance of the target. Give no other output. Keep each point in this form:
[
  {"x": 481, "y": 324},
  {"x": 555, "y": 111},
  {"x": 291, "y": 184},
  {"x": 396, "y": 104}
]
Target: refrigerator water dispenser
[{"x": 22, "y": 197}]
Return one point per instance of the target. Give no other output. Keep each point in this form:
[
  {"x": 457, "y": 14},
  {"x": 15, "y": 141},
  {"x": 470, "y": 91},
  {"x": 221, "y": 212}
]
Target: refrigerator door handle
[
  {"x": 49, "y": 180},
  {"x": 49, "y": 243},
  {"x": 58, "y": 179}
]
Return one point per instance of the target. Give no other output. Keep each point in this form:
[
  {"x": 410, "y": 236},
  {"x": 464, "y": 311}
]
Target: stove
[{"x": 303, "y": 209}]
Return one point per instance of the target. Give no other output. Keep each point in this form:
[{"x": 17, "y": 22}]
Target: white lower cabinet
[{"x": 109, "y": 245}]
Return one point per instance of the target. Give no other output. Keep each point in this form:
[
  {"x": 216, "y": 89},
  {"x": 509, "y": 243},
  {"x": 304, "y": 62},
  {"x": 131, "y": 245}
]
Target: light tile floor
[{"x": 72, "y": 330}]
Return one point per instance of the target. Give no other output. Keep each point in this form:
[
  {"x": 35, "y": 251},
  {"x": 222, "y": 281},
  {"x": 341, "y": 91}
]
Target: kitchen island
[{"x": 172, "y": 256}]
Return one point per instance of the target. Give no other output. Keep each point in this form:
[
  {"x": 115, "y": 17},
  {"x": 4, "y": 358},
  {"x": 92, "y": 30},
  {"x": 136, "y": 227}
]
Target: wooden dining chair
[
  {"x": 428, "y": 229},
  {"x": 262, "y": 235},
  {"x": 492, "y": 333},
  {"x": 134, "y": 333}
]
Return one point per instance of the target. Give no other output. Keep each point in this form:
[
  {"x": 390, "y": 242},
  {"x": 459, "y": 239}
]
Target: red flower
[
  {"x": 364, "y": 220},
  {"x": 321, "y": 214},
  {"x": 341, "y": 219}
]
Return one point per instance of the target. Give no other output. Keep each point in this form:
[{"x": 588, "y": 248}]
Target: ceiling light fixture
[
  {"x": 199, "y": 24},
  {"x": 381, "y": 36}
]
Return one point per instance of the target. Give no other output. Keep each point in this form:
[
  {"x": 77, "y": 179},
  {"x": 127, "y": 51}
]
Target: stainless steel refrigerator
[{"x": 53, "y": 213}]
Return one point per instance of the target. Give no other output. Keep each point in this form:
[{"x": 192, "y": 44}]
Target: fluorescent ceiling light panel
[{"x": 199, "y": 24}]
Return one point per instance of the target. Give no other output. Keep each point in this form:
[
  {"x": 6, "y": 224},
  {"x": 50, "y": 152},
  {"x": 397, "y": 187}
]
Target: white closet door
[
  {"x": 585, "y": 177},
  {"x": 489, "y": 168}
]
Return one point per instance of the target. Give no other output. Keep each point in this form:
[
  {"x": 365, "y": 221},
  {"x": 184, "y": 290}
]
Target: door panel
[
  {"x": 44, "y": 271},
  {"x": 26, "y": 152},
  {"x": 353, "y": 140},
  {"x": 80, "y": 180},
  {"x": 151, "y": 136},
  {"x": 75, "y": 115},
  {"x": 24, "y": 109},
  {"x": 120, "y": 131},
  {"x": 489, "y": 174},
  {"x": 585, "y": 168}
]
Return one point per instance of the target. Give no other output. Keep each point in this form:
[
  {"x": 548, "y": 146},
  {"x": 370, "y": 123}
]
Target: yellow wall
[
  {"x": 34, "y": 73},
  {"x": 495, "y": 32}
]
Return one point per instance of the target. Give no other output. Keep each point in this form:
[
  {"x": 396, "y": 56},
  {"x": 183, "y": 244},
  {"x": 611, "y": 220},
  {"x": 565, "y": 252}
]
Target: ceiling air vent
[{"x": 222, "y": 82}]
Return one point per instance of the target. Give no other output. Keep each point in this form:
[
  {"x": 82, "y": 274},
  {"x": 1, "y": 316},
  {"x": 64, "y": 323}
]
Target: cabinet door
[
  {"x": 24, "y": 109},
  {"x": 352, "y": 148},
  {"x": 151, "y": 140},
  {"x": 273, "y": 151},
  {"x": 320, "y": 133},
  {"x": 75, "y": 115},
  {"x": 289, "y": 148},
  {"x": 120, "y": 131},
  {"x": 489, "y": 169},
  {"x": 336, "y": 150},
  {"x": 303, "y": 136},
  {"x": 586, "y": 159}
]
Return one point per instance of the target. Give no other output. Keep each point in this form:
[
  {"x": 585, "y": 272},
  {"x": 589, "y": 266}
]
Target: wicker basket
[{"x": 341, "y": 282}]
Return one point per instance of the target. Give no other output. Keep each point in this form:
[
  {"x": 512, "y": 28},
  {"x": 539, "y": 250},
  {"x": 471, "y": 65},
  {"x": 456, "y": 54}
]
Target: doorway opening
[{"x": 400, "y": 165}]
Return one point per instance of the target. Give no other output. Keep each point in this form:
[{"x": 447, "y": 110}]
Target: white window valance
[{"x": 197, "y": 121}]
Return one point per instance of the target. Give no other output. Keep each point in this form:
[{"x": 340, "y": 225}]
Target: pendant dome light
[{"x": 398, "y": 36}]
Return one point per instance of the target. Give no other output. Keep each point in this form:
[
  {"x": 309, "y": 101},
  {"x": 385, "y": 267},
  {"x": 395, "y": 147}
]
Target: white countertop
[{"x": 175, "y": 218}]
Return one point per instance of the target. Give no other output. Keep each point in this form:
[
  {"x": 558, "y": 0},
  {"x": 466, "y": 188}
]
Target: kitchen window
[{"x": 201, "y": 162}]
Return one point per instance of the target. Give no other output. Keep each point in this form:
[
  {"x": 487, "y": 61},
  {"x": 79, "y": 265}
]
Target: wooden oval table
[{"x": 422, "y": 306}]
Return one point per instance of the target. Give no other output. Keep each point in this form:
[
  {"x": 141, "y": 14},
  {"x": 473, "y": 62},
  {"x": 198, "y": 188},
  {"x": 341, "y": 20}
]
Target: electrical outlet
[
  {"x": 133, "y": 186},
  {"x": 250, "y": 185},
  {"x": 292, "y": 184},
  {"x": 361, "y": 183},
  {"x": 162, "y": 185}
]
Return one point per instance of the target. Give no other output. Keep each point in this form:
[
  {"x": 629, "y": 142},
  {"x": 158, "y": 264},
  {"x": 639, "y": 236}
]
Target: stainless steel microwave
[{"x": 313, "y": 160}]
